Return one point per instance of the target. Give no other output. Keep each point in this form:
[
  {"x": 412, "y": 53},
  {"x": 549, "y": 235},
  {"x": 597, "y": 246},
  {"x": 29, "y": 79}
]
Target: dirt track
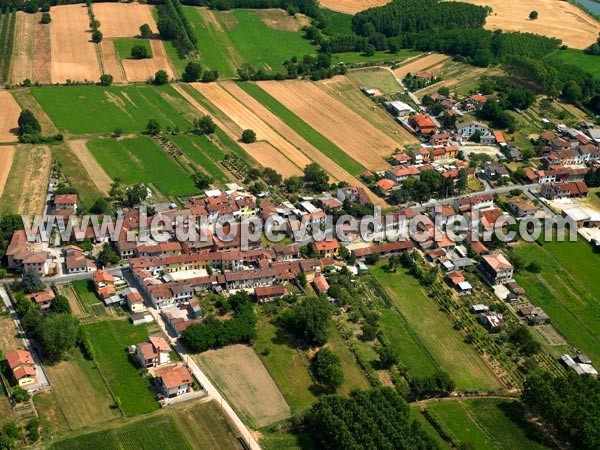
[
  {"x": 91, "y": 166},
  {"x": 143, "y": 69},
  {"x": 9, "y": 115},
  {"x": 420, "y": 64},
  {"x": 73, "y": 54},
  {"x": 7, "y": 154},
  {"x": 123, "y": 19},
  {"x": 352, "y": 133},
  {"x": 351, "y": 6},
  {"x": 556, "y": 18},
  {"x": 31, "y": 52}
]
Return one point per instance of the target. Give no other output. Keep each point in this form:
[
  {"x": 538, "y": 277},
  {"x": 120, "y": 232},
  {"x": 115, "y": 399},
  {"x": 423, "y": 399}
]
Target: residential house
[
  {"x": 467, "y": 129},
  {"x": 399, "y": 109},
  {"x": 174, "y": 381},
  {"x": 492, "y": 321},
  {"x": 42, "y": 299},
  {"x": 523, "y": 208},
  {"x": 265, "y": 294},
  {"x": 76, "y": 262},
  {"x": 402, "y": 173},
  {"x": 327, "y": 248},
  {"x": 353, "y": 194},
  {"x": 65, "y": 202},
  {"x": 422, "y": 123},
  {"x": 554, "y": 191},
  {"x": 440, "y": 139},
  {"x": 472, "y": 202},
  {"x": 135, "y": 302},
  {"x": 22, "y": 256},
  {"x": 400, "y": 159},
  {"x": 496, "y": 268},
  {"x": 22, "y": 367},
  {"x": 386, "y": 185},
  {"x": 534, "y": 315},
  {"x": 457, "y": 281},
  {"x": 156, "y": 351},
  {"x": 104, "y": 283},
  {"x": 320, "y": 284}
]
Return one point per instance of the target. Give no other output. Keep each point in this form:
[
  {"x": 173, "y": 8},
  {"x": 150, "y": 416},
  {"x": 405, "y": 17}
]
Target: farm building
[{"x": 399, "y": 109}]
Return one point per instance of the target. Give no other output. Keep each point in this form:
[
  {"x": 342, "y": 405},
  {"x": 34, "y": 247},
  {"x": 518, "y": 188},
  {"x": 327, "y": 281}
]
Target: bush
[
  {"x": 46, "y": 19},
  {"x": 97, "y": 36},
  {"x": 145, "y": 31},
  {"x": 248, "y": 136},
  {"x": 192, "y": 72},
  {"x": 533, "y": 15},
  {"x": 140, "y": 52},
  {"x": 161, "y": 77},
  {"x": 106, "y": 79}
]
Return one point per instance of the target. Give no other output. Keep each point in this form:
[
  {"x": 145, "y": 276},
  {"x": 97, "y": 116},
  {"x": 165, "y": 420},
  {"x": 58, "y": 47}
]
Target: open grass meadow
[
  {"x": 110, "y": 340},
  {"x": 303, "y": 129},
  {"x": 458, "y": 422},
  {"x": 354, "y": 378},
  {"x": 123, "y": 46},
  {"x": 155, "y": 433},
  {"x": 376, "y": 78},
  {"x": 436, "y": 332},
  {"x": 202, "y": 152},
  {"x": 337, "y": 22},
  {"x": 99, "y": 110},
  {"x": 141, "y": 160},
  {"x": 587, "y": 63},
  {"x": 567, "y": 289},
  {"x": 85, "y": 291}
]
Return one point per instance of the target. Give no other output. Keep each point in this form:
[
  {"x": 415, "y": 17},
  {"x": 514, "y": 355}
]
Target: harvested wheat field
[
  {"x": 8, "y": 118},
  {"x": 7, "y": 154},
  {"x": 123, "y": 19},
  {"x": 91, "y": 166},
  {"x": 245, "y": 382},
  {"x": 269, "y": 156},
  {"x": 351, "y": 6},
  {"x": 559, "y": 19},
  {"x": 143, "y": 69},
  {"x": 31, "y": 51},
  {"x": 74, "y": 55},
  {"x": 432, "y": 61},
  {"x": 110, "y": 61},
  {"x": 356, "y": 136}
]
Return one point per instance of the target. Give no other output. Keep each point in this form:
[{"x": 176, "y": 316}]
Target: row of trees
[{"x": 173, "y": 25}]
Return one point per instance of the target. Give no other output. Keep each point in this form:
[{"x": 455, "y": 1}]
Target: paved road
[{"x": 39, "y": 370}]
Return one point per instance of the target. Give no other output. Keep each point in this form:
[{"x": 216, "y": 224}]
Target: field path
[
  {"x": 91, "y": 166},
  {"x": 7, "y": 154},
  {"x": 9, "y": 115}
]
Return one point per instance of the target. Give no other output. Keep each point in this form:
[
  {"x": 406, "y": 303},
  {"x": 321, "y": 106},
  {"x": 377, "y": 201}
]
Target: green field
[
  {"x": 228, "y": 39},
  {"x": 96, "y": 109},
  {"x": 123, "y": 46},
  {"x": 567, "y": 289},
  {"x": 141, "y": 160},
  {"x": 160, "y": 433},
  {"x": 378, "y": 78},
  {"x": 110, "y": 340},
  {"x": 85, "y": 291},
  {"x": 203, "y": 153},
  {"x": 435, "y": 330},
  {"x": 587, "y": 63},
  {"x": 303, "y": 129},
  {"x": 337, "y": 22},
  {"x": 354, "y": 378}
]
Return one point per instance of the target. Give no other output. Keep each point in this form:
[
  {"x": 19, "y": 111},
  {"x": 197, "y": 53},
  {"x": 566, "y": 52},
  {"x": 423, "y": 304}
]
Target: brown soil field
[
  {"x": 35, "y": 180},
  {"x": 7, "y": 154},
  {"x": 558, "y": 19},
  {"x": 330, "y": 117},
  {"x": 432, "y": 61},
  {"x": 31, "y": 52},
  {"x": 143, "y": 69},
  {"x": 110, "y": 61},
  {"x": 74, "y": 56},
  {"x": 9, "y": 116},
  {"x": 123, "y": 19},
  {"x": 351, "y": 6},
  {"x": 245, "y": 382},
  {"x": 94, "y": 170},
  {"x": 269, "y": 156}
]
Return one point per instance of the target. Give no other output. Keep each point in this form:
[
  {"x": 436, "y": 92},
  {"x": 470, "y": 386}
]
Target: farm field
[
  {"x": 94, "y": 109},
  {"x": 562, "y": 20},
  {"x": 288, "y": 366},
  {"x": 144, "y": 69},
  {"x": 354, "y": 378},
  {"x": 566, "y": 289},
  {"x": 87, "y": 404},
  {"x": 424, "y": 62},
  {"x": 141, "y": 160},
  {"x": 203, "y": 153},
  {"x": 359, "y": 139},
  {"x": 159, "y": 432},
  {"x": 242, "y": 377},
  {"x": 94, "y": 171},
  {"x": 588, "y": 63},
  {"x": 123, "y": 19},
  {"x": 9, "y": 117},
  {"x": 31, "y": 51},
  {"x": 351, "y": 6},
  {"x": 375, "y": 77},
  {"x": 205, "y": 423},
  {"x": 7, "y": 153},
  {"x": 123, "y": 46},
  {"x": 110, "y": 340},
  {"x": 25, "y": 188},
  {"x": 436, "y": 332}
]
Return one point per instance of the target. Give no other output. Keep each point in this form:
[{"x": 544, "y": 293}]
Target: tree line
[{"x": 173, "y": 25}]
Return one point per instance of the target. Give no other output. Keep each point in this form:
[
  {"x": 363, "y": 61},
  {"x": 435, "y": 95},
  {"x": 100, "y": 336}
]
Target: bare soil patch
[
  {"x": 432, "y": 61},
  {"x": 7, "y": 154},
  {"x": 240, "y": 374},
  {"x": 558, "y": 19},
  {"x": 351, "y": 6},
  {"x": 9, "y": 115},
  {"x": 342, "y": 126},
  {"x": 123, "y": 19},
  {"x": 143, "y": 69},
  {"x": 35, "y": 182},
  {"x": 279, "y": 19},
  {"x": 91, "y": 166},
  {"x": 74, "y": 55}
]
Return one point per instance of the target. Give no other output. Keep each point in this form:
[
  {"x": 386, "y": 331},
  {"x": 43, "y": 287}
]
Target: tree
[
  {"x": 209, "y": 76},
  {"x": 153, "y": 127},
  {"x": 167, "y": 28},
  {"x": 248, "y": 136},
  {"x": 192, "y": 72},
  {"x": 161, "y": 77},
  {"x": 135, "y": 195},
  {"x": 388, "y": 356},
  {"x": 106, "y": 79},
  {"x": 202, "y": 180},
  {"x": 97, "y": 36},
  {"x": 60, "y": 305},
  {"x": 310, "y": 320},
  {"x": 271, "y": 176},
  {"x": 204, "y": 125},
  {"x": 327, "y": 369},
  {"x": 293, "y": 184},
  {"x": 145, "y": 31},
  {"x": 108, "y": 256},
  {"x": 313, "y": 173},
  {"x": 28, "y": 124},
  {"x": 46, "y": 19},
  {"x": 572, "y": 92},
  {"x": 140, "y": 52},
  {"x": 533, "y": 15},
  {"x": 100, "y": 206},
  {"x": 462, "y": 181},
  {"x": 31, "y": 281},
  {"x": 57, "y": 334}
]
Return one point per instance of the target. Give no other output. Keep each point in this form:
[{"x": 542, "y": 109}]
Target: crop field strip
[
  {"x": 31, "y": 52},
  {"x": 203, "y": 153},
  {"x": 7, "y": 36}
]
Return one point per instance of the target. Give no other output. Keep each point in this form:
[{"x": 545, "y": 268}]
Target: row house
[
  {"x": 554, "y": 191},
  {"x": 384, "y": 250},
  {"x": 248, "y": 279},
  {"x": 472, "y": 202},
  {"x": 166, "y": 294}
]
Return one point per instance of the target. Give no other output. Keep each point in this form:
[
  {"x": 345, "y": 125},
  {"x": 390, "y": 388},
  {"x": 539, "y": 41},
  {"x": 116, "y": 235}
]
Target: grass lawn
[
  {"x": 96, "y": 109},
  {"x": 435, "y": 330},
  {"x": 303, "y": 129},
  {"x": 587, "y": 63},
  {"x": 287, "y": 365},
  {"x": 123, "y": 46},
  {"x": 141, "y": 160},
  {"x": 203, "y": 153},
  {"x": 52, "y": 419},
  {"x": 110, "y": 340},
  {"x": 566, "y": 289},
  {"x": 85, "y": 291},
  {"x": 377, "y": 78},
  {"x": 155, "y": 433},
  {"x": 456, "y": 419},
  {"x": 354, "y": 378},
  {"x": 205, "y": 423}
]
